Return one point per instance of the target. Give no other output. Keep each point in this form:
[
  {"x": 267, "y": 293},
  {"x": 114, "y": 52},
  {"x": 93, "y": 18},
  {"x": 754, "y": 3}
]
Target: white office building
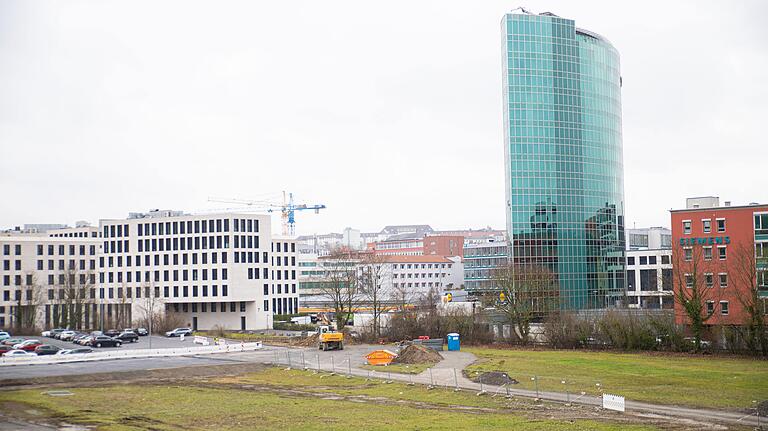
[
  {"x": 284, "y": 277},
  {"x": 649, "y": 238},
  {"x": 649, "y": 279},
  {"x": 211, "y": 270},
  {"x": 43, "y": 276}
]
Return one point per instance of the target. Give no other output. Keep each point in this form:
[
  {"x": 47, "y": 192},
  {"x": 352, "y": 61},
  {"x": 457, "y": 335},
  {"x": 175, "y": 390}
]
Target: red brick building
[
  {"x": 711, "y": 244},
  {"x": 430, "y": 245}
]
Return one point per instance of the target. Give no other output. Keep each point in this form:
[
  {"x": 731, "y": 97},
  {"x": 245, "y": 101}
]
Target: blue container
[{"x": 453, "y": 341}]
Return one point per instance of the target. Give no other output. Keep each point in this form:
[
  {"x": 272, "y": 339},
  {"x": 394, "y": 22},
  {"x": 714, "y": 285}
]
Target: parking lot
[{"x": 157, "y": 342}]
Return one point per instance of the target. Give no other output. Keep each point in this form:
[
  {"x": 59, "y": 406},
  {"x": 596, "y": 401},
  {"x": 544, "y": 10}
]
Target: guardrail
[{"x": 130, "y": 354}]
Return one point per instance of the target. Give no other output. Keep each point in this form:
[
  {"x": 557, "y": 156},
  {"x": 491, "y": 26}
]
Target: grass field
[
  {"x": 278, "y": 399},
  {"x": 701, "y": 381}
]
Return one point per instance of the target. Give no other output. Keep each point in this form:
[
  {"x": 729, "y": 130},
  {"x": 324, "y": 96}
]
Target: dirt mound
[
  {"x": 495, "y": 378},
  {"x": 351, "y": 337},
  {"x": 310, "y": 341},
  {"x": 415, "y": 354}
]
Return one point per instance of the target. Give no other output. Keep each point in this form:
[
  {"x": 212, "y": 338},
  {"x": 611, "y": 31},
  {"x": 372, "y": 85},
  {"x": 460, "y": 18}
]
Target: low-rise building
[
  {"x": 721, "y": 251},
  {"x": 649, "y": 279}
]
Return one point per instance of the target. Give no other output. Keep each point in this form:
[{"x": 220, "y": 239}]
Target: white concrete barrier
[{"x": 130, "y": 354}]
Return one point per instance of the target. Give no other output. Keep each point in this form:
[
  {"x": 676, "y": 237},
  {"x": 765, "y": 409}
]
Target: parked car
[
  {"x": 19, "y": 354},
  {"x": 104, "y": 341},
  {"x": 66, "y": 335},
  {"x": 46, "y": 349},
  {"x": 112, "y": 333},
  {"x": 178, "y": 332},
  {"x": 142, "y": 332},
  {"x": 127, "y": 337},
  {"x": 81, "y": 339},
  {"x": 28, "y": 345},
  {"x": 78, "y": 351},
  {"x": 96, "y": 333},
  {"x": 85, "y": 340},
  {"x": 4, "y": 348},
  {"x": 12, "y": 341},
  {"x": 56, "y": 333},
  {"x": 52, "y": 332},
  {"x": 4, "y": 335}
]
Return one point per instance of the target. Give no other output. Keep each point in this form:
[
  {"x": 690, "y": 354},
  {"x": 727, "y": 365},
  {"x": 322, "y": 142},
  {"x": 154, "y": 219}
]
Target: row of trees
[
  {"x": 353, "y": 281},
  {"x": 529, "y": 293},
  {"x": 73, "y": 300}
]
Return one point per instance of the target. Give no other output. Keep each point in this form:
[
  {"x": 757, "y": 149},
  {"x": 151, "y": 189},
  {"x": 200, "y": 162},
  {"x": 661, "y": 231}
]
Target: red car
[
  {"x": 5, "y": 348},
  {"x": 30, "y": 345}
]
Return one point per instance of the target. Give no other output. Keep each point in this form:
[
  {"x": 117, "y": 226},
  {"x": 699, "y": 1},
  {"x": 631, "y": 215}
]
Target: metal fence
[{"x": 129, "y": 354}]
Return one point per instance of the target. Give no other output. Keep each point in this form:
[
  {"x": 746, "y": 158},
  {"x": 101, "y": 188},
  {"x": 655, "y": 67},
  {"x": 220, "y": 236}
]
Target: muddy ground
[{"x": 204, "y": 376}]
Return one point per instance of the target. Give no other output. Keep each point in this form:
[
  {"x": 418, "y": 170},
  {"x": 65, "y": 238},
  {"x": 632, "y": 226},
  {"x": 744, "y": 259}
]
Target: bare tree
[
  {"x": 374, "y": 287},
  {"x": 340, "y": 284},
  {"x": 525, "y": 293},
  {"x": 28, "y": 300},
  {"x": 74, "y": 296},
  {"x": 743, "y": 267},
  {"x": 694, "y": 291}
]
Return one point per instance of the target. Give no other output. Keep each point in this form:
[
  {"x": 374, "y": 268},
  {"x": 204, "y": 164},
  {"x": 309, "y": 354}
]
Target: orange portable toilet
[{"x": 380, "y": 357}]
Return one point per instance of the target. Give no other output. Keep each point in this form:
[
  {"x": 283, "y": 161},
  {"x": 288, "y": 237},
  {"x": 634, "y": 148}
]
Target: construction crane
[{"x": 287, "y": 209}]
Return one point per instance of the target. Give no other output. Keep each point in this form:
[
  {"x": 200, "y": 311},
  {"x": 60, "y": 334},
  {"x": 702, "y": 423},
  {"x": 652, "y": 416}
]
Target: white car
[
  {"x": 18, "y": 354},
  {"x": 66, "y": 335},
  {"x": 179, "y": 332},
  {"x": 26, "y": 343},
  {"x": 4, "y": 335},
  {"x": 45, "y": 334}
]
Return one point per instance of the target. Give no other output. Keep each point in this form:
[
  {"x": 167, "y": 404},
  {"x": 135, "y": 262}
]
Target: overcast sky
[{"x": 386, "y": 112}]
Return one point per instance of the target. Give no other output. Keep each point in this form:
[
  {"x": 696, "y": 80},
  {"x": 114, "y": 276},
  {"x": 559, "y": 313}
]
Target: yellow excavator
[{"x": 329, "y": 339}]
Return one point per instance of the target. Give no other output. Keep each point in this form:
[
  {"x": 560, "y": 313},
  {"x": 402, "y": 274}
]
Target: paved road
[
  {"x": 157, "y": 341},
  {"x": 446, "y": 373}
]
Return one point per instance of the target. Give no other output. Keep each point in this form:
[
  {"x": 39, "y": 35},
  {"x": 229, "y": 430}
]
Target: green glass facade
[{"x": 563, "y": 156}]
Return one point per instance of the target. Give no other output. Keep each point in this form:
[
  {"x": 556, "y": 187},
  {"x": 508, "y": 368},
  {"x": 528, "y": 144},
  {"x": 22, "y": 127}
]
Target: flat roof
[{"x": 720, "y": 208}]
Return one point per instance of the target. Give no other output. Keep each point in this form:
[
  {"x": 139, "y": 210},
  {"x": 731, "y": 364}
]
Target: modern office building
[
  {"x": 722, "y": 251},
  {"x": 649, "y": 238},
  {"x": 284, "y": 277},
  {"x": 42, "y": 274},
  {"x": 649, "y": 279},
  {"x": 563, "y": 156},
  {"x": 211, "y": 270},
  {"x": 481, "y": 259}
]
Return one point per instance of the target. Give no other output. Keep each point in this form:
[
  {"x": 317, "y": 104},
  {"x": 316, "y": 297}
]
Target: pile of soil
[
  {"x": 350, "y": 337},
  {"x": 415, "y": 354},
  {"x": 310, "y": 341},
  {"x": 495, "y": 378}
]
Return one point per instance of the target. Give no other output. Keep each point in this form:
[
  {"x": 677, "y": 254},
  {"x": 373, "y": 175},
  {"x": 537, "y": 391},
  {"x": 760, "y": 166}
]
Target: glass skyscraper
[{"x": 563, "y": 156}]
